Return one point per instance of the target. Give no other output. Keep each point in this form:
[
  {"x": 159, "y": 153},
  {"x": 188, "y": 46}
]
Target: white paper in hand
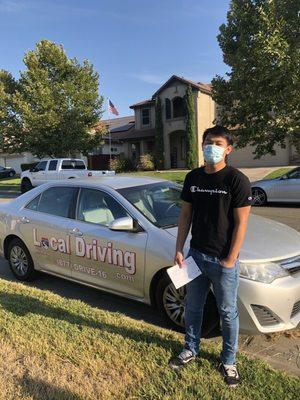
[{"x": 188, "y": 272}]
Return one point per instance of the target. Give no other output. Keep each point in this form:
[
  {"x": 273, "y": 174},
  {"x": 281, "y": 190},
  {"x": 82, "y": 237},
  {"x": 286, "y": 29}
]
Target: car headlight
[{"x": 262, "y": 272}]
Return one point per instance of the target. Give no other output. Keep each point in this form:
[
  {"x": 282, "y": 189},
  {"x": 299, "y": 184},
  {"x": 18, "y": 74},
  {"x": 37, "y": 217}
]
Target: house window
[
  {"x": 178, "y": 107},
  {"x": 145, "y": 116},
  {"x": 168, "y": 108}
]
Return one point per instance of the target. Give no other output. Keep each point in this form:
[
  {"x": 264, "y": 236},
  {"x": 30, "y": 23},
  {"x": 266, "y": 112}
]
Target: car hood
[{"x": 266, "y": 240}]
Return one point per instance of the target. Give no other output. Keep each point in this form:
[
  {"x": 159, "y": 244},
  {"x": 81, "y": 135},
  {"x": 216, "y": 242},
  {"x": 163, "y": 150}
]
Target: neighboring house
[
  {"x": 15, "y": 160},
  {"x": 135, "y": 135}
]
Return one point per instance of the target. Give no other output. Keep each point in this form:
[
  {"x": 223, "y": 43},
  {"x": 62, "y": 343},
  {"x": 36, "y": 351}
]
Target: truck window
[
  {"x": 52, "y": 165},
  {"x": 73, "y": 164},
  {"x": 41, "y": 166}
]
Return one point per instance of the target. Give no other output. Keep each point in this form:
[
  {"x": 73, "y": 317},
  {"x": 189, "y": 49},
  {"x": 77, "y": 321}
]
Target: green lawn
[
  {"x": 277, "y": 172},
  {"x": 59, "y": 349},
  {"x": 10, "y": 185}
]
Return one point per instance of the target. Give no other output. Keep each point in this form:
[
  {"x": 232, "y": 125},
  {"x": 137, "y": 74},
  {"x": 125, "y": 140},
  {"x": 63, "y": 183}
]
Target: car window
[
  {"x": 159, "y": 202},
  {"x": 2, "y": 168},
  {"x": 58, "y": 201},
  {"x": 98, "y": 207},
  {"x": 295, "y": 174},
  {"x": 41, "y": 166},
  {"x": 52, "y": 165},
  {"x": 33, "y": 204},
  {"x": 72, "y": 164}
]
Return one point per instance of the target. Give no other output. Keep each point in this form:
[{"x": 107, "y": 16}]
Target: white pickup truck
[{"x": 57, "y": 169}]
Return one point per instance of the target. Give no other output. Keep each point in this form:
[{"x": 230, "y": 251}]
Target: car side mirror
[
  {"x": 123, "y": 224},
  {"x": 284, "y": 177}
]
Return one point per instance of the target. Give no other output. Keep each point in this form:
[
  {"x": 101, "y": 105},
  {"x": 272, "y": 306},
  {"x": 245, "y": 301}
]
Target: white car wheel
[
  {"x": 171, "y": 303},
  {"x": 20, "y": 261}
]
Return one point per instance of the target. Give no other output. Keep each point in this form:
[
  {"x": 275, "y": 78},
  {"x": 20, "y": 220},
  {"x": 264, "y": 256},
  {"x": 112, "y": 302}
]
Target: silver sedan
[
  {"x": 285, "y": 188},
  {"x": 118, "y": 234}
]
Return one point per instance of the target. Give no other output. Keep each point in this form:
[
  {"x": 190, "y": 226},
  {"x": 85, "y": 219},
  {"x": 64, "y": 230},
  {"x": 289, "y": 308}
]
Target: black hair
[{"x": 219, "y": 130}]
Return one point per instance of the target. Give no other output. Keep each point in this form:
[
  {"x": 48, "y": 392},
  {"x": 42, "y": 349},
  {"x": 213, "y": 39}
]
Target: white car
[
  {"x": 57, "y": 169},
  {"x": 118, "y": 234},
  {"x": 285, "y": 188}
]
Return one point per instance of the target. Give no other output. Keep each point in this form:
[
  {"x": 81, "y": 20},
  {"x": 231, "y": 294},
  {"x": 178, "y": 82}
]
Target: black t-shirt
[{"x": 213, "y": 197}]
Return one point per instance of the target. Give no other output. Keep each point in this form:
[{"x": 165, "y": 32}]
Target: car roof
[{"x": 115, "y": 181}]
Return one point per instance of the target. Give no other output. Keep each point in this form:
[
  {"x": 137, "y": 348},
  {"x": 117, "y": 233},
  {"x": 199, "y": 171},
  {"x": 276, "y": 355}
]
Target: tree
[
  {"x": 9, "y": 123},
  {"x": 57, "y": 103},
  {"x": 261, "y": 97},
  {"x": 159, "y": 137},
  {"x": 192, "y": 158}
]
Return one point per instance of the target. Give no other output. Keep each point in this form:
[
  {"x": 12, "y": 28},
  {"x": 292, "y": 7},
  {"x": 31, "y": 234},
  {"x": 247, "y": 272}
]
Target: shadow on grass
[
  {"x": 38, "y": 389},
  {"x": 21, "y": 305}
]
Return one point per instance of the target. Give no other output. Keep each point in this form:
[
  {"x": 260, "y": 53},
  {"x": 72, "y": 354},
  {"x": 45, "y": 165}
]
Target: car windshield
[{"x": 159, "y": 202}]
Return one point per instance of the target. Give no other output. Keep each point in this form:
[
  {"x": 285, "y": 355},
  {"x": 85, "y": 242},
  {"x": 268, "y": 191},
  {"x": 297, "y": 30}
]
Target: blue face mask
[{"x": 213, "y": 153}]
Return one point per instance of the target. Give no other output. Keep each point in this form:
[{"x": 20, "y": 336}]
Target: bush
[
  {"x": 146, "y": 163},
  {"x": 26, "y": 166},
  {"x": 121, "y": 164}
]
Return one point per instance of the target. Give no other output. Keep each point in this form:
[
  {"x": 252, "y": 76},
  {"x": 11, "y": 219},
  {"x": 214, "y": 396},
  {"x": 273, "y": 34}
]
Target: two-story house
[{"x": 135, "y": 135}]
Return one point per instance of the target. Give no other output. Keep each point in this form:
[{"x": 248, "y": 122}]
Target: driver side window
[
  {"x": 98, "y": 207},
  {"x": 294, "y": 174},
  {"x": 41, "y": 166}
]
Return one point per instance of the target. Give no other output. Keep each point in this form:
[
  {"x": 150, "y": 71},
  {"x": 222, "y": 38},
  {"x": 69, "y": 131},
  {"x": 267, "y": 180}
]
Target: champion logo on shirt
[{"x": 210, "y": 191}]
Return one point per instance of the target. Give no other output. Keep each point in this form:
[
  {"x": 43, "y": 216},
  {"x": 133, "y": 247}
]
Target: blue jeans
[{"x": 225, "y": 286}]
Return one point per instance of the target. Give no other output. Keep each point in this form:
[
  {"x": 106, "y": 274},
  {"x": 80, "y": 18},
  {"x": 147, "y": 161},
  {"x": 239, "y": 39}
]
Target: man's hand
[
  {"x": 178, "y": 259},
  {"x": 228, "y": 262}
]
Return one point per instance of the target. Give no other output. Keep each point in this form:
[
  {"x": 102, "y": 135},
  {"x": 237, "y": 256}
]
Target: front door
[
  {"x": 174, "y": 157},
  {"x": 288, "y": 189},
  {"x": 100, "y": 256},
  {"x": 38, "y": 175}
]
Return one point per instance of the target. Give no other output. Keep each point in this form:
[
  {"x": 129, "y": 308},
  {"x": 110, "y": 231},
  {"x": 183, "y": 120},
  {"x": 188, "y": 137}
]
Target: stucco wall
[
  {"x": 206, "y": 113},
  {"x": 244, "y": 157},
  {"x": 138, "y": 117}
]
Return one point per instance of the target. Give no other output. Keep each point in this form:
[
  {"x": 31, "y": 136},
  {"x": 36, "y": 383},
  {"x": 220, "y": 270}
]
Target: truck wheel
[
  {"x": 26, "y": 185},
  {"x": 171, "y": 304},
  {"x": 20, "y": 261}
]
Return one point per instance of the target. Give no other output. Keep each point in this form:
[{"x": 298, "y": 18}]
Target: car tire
[
  {"x": 259, "y": 196},
  {"x": 20, "y": 261},
  {"x": 11, "y": 174},
  {"x": 211, "y": 319},
  {"x": 26, "y": 185}
]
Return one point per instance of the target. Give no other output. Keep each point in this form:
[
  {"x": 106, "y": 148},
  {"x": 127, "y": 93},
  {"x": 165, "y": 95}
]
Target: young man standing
[{"x": 217, "y": 201}]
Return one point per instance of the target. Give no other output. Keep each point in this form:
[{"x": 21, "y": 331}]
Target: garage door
[{"x": 244, "y": 157}]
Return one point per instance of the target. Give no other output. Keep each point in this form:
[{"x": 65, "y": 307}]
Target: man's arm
[
  {"x": 184, "y": 223},
  {"x": 241, "y": 215}
]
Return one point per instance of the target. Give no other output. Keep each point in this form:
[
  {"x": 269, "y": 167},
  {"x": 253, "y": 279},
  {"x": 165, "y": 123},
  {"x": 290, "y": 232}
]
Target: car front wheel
[
  {"x": 171, "y": 304},
  {"x": 20, "y": 261},
  {"x": 259, "y": 196}
]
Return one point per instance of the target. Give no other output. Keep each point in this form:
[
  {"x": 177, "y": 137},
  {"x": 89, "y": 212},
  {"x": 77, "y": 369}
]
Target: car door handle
[
  {"x": 75, "y": 232},
  {"x": 24, "y": 220}
]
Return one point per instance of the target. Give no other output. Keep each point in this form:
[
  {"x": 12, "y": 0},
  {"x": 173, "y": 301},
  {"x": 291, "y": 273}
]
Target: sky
[{"x": 134, "y": 45}]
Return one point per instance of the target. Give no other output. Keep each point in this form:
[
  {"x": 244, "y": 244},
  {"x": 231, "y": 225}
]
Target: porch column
[
  {"x": 167, "y": 160},
  {"x": 142, "y": 147}
]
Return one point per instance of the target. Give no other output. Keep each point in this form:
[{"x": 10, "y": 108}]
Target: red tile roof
[{"x": 142, "y": 103}]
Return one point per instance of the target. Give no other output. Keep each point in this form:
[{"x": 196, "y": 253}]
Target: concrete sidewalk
[{"x": 257, "y": 173}]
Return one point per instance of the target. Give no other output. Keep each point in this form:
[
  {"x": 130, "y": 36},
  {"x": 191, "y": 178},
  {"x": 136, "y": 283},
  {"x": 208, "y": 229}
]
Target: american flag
[{"x": 112, "y": 108}]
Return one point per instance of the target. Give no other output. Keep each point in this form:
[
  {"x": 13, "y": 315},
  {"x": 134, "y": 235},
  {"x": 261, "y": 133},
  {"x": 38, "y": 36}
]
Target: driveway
[{"x": 257, "y": 173}]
